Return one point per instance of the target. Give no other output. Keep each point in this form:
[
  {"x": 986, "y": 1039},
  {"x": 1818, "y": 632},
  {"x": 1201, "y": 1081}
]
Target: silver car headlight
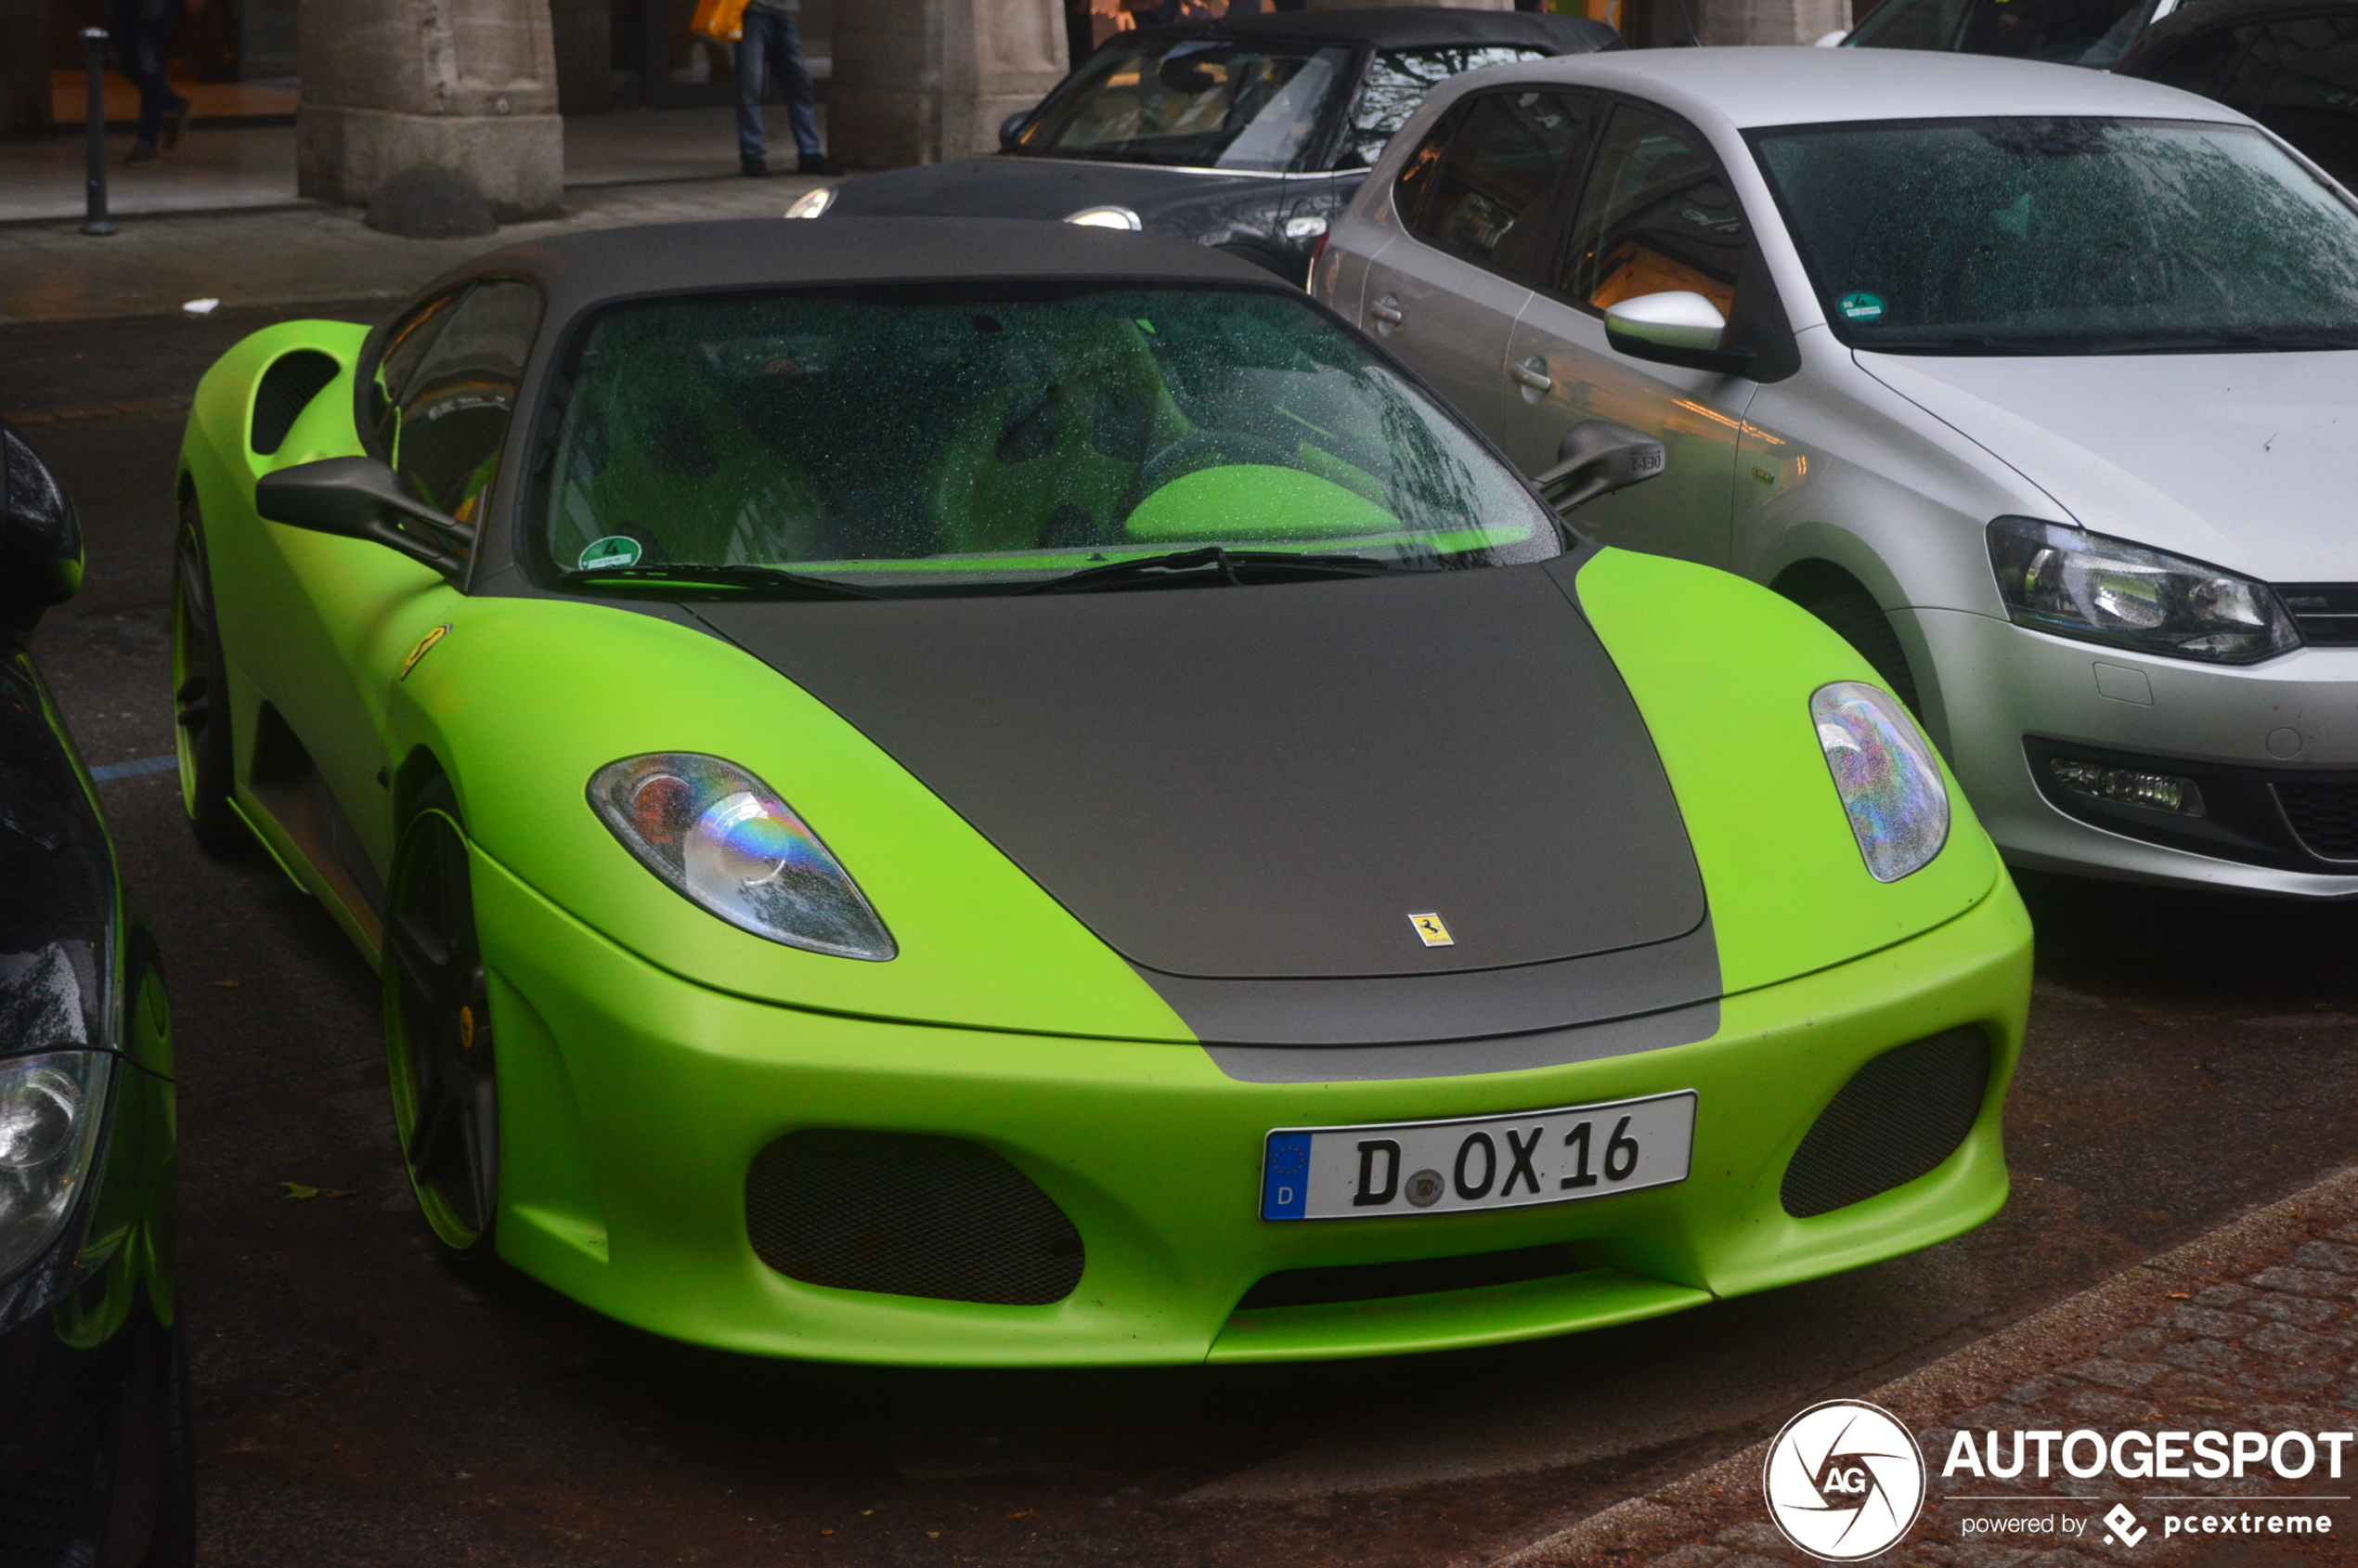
[
  {"x": 2077, "y": 584},
  {"x": 51, "y": 1108},
  {"x": 1106, "y": 217},
  {"x": 724, "y": 839},
  {"x": 1885, "y": 773},
  {"x": 810, "y": 203}
]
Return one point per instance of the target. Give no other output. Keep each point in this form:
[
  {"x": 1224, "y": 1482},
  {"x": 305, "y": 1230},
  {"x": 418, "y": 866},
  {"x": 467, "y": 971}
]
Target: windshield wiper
[
  {"x": 1233, "y": 567},
  {"x": 664, "y": 581}
]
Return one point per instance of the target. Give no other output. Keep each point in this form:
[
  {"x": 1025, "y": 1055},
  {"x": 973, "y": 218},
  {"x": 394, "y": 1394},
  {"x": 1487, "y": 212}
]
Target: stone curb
[{"x": 1691, "y": 1509}]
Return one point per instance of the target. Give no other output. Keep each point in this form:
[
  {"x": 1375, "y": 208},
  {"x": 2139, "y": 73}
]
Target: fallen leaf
[
  {"x": 296, "y": 1190},
  {"x": 933, "y": 1534},
  {"x": 226, "y": 985},
  {"x": 2182, "y": 1295},
  {"x": 1026, "y": 1513}
]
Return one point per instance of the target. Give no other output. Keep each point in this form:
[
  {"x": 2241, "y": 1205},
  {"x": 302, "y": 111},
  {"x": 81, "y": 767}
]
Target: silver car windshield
[
  {"x": 2066, "y": 236},
  {"x": 1202, "y": 103}
]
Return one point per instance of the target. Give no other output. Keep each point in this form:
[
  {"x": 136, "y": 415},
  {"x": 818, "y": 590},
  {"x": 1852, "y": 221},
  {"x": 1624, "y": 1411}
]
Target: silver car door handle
[
  {"x": 1387, "y": 310},
  {"x": 1533, "y": 373}
]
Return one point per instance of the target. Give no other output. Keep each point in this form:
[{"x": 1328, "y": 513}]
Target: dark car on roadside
[
  {"x": 1247, "y": 135},
  {"x": 93, "y": 1438},
  {"x": 2290, "y": 64}
]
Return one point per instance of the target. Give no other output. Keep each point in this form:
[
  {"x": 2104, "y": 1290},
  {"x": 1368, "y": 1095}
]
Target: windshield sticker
[
  {"x": 1861, "y": 307},
  {"x": 614, "y": 550}
]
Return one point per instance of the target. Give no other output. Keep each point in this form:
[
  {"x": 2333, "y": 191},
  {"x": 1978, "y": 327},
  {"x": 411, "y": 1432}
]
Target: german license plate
[{"x": 1477, "y": 1161}]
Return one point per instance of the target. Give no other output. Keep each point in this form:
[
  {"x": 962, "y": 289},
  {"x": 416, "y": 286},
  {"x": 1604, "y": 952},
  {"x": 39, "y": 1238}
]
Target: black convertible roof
[
  {"x": 1409, "y": 27},
  {"x": 2199, "y": 17},
  {"x": 579, "y": 270}
]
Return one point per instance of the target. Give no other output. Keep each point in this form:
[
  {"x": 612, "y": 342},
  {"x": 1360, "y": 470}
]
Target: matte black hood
[
  {"x": 1004, "y": 186},
  {"x": 1269, "y": 781}
]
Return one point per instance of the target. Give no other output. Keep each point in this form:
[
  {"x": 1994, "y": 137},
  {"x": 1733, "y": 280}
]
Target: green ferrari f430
[{"x": 970, "y": 793}]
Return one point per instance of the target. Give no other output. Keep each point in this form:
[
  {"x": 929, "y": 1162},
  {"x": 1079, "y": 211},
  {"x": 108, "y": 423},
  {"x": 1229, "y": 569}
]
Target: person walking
[
  {"x": 771, "y": 41},
  {"x": 142, "y": 34}
]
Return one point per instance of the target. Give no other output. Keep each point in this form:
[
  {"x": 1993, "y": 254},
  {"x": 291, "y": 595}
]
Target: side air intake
[{"x": 287, "y": 389}]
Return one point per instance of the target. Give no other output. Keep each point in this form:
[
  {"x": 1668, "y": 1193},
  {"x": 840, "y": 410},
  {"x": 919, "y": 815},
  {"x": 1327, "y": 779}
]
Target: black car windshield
[
  {"x": 2089, "y": 33},
  {"x": 2066, "y": 236},
  {"x": 1203, "y": 103},
  {"x": 928, "y": 438}
]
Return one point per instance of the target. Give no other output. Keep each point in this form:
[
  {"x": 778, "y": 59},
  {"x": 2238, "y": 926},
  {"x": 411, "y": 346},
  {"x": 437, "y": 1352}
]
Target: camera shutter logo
[{"x": 1844, "y": 1480}]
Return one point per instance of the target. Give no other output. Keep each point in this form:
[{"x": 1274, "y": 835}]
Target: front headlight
[
  {"x": 1886, "y": 775},
  {"x": 1106, "y": 217},
  {"x": 810, "y": 203},
  {"x": 2077, "y": 584},
  {"x": 50, "y": 1109},
  {"x": 723, "y": 838}
]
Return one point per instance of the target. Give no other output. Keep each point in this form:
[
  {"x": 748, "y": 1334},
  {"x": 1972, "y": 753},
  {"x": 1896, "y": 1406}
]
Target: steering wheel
[{"x": 1201, "y": 449}]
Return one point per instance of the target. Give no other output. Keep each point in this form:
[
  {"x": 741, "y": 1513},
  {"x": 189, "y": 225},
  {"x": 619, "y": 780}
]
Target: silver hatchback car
[{"x": 2040, "y": 385}]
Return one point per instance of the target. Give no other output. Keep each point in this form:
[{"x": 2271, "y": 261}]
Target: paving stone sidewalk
[
  {"x": 52, "y": 272},
  {"x": 2250, "y": 1327}
]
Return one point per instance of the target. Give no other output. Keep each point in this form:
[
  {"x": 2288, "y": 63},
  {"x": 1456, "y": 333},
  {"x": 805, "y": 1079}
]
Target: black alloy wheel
[
  {"x": 200, "y": 699},
  {"x": 438, "y": 1048}
]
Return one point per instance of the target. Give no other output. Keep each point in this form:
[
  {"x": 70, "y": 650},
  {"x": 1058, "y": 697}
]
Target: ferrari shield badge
[
  {"x": 425, "y": 646},
  {"x": 1431, "y": 931}
]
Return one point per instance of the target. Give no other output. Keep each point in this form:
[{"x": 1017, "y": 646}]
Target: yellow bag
[{"x": 720, "y": 21}]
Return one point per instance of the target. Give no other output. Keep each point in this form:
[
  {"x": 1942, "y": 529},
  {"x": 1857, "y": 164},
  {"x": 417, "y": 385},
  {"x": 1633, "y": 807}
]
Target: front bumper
[
  {"x": 633, "y": 1104},
  {"x": 2001, "y": 684}
]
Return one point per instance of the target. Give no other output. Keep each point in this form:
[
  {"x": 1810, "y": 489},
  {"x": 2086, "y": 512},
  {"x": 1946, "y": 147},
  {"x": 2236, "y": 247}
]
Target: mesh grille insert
[
  {"x": 2324, "y": 817},
  {"x": 909, "y": 1214},
  {"x": 49, "y": 1517},
  {"x": 287, "y": 389},
  {"x": 1897, "y": 1117}
]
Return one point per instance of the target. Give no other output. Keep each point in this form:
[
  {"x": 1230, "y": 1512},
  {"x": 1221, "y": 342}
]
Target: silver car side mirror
[
  {"x": 1595, "y": 457},
  {"x": 1675, "y": 319},
  {"x": 1675, "y": 327}
]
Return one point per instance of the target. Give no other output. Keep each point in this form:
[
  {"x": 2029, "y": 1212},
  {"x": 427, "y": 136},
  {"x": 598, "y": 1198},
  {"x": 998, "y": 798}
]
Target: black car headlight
[
  {"x": 51, "y": 1108},
  {"x": 2077, "y": 584}
]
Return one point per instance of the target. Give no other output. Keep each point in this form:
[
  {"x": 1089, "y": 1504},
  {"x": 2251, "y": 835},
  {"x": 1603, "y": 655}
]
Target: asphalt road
[{"x": 2189, "y": 1057}]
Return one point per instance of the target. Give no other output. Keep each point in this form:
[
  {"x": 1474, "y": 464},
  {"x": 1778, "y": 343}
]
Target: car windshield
[
  {"x": 1202, "y": 103},
  {"x": 930, "y": 439},
  {"x": 2089, "y": 33},
  {"x": 2065, "y": 236},
  {"x": 1398, "y": 81}
]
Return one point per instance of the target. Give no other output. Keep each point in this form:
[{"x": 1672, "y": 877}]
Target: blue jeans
[
  {"x": 771, "y": 42},
  {"x": 141, "y": 32}
]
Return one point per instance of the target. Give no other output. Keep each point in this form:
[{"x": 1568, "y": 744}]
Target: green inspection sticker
[
  {"x": 1861, "y": 307},
  {"x": 614, "y": 550}
]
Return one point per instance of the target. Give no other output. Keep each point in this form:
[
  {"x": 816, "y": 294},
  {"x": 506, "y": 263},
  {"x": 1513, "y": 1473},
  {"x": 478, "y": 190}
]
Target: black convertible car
[
  {"x": 2290, "y": 64},
  {"x": 94, "y": 1443},
  {"x": 1247, "y": 135}
]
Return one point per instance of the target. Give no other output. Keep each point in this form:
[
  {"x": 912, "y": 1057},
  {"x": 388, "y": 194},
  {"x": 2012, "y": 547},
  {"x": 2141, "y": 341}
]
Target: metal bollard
[{"x": 93, "y": 55}]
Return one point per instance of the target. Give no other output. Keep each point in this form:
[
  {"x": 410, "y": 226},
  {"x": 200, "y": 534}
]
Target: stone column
[
  {"x": 468, "y": 85},
  {"x": 921, "y": 81},
  {"x": 1769, "y": 21}
]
